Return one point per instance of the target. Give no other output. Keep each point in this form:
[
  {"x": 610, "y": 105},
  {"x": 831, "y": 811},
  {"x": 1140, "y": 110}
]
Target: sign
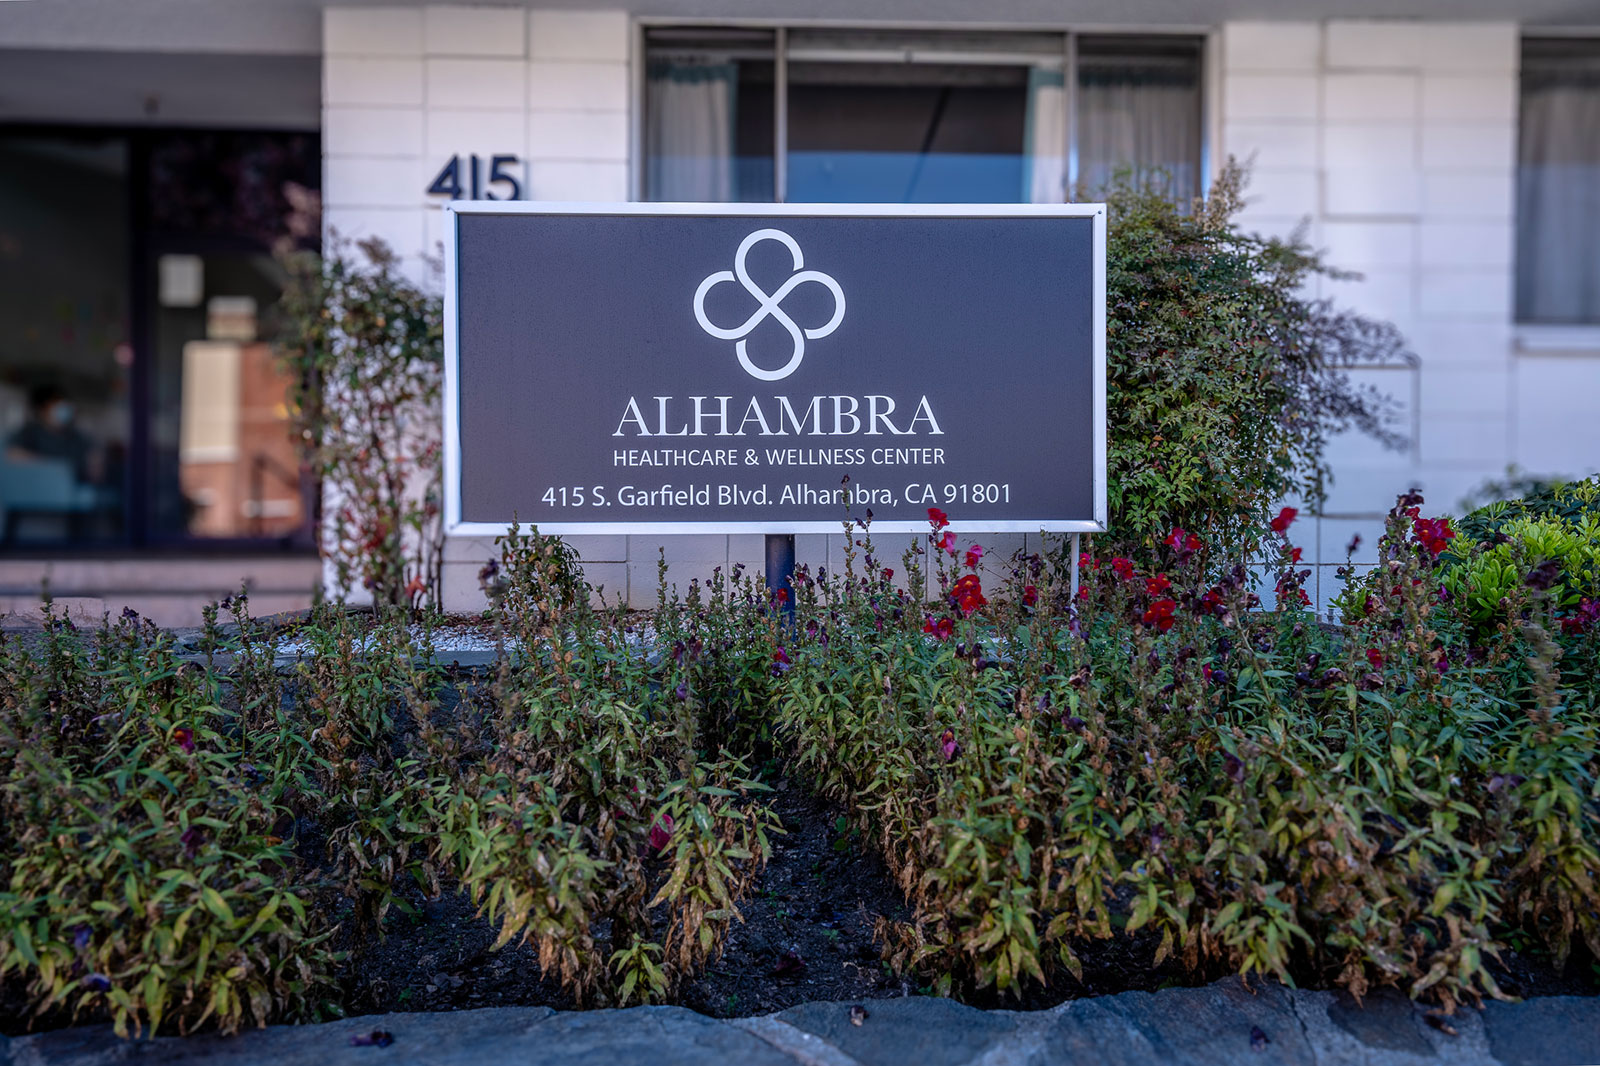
[{"x": 691, "y": 368}]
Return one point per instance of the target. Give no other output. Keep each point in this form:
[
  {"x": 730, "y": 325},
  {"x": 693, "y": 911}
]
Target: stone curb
[{"x": 1223, "y": 1024}]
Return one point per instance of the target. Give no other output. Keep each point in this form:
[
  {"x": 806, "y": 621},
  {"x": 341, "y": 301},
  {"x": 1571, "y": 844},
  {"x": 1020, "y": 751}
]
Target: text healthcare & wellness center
[{"x": 1448, "y": 150}]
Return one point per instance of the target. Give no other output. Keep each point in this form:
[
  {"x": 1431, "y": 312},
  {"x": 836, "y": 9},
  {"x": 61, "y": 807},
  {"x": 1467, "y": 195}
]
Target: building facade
[{"x": 1448, "y": 152}]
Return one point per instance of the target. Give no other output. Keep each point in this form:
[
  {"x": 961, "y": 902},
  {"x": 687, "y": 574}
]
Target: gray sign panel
[{"x": 667, "y": 368}]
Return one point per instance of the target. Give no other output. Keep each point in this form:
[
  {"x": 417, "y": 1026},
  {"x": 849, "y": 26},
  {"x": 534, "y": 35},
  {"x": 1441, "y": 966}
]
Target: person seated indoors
[{"x": 49, "y": 433}]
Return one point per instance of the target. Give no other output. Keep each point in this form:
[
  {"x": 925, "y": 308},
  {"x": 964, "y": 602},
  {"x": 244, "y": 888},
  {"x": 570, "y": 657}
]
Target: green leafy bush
[
  {"x": 145, "y": 873},
  {"x": 1569, "y": 501},
  {"x": 1247, "y": 790},
  {"x": 364, "y": 348},
  {"x": 210, "y": 840},
  {"x": 1224, "y": 380}
]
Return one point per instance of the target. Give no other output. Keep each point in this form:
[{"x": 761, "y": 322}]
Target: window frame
[{"x": 1204, "y": 36}]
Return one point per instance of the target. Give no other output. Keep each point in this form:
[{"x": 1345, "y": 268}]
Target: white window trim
[{"x": 1555, "y": 340}]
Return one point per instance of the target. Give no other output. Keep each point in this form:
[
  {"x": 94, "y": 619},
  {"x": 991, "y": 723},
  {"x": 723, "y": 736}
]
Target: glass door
[{"x": 65, "y": 351}]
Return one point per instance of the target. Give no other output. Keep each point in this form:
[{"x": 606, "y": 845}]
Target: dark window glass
[
  {"x": 65, "y": 352},
  {"x": 1558, "y": 183},
  {"x": 138, "y": 264},
  {"x": 906, "y": 132},
  {"x": 227, "y": 185},
  {"x": 880, "y": 116},
  {"x": 222, "y": 463}
]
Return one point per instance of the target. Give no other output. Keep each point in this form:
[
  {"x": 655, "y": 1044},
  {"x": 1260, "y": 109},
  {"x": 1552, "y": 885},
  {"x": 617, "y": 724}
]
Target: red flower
[
  {"x": 940, "y": 630},
  {"x": 661, "y": 833},
  {"x": 1294, "y": 555},
  {"x": 1159, "y": 615},
  {"x": 888, "y": 574},
  {"x": 1211, "y": 602},
  {"x": 1284, "y": 520},
  {"x": 974, "y": 553},
  {"x": 937, "y": 519},
  {"x": 1375, "y": 657},
  {"x": 968, "y": 593},
  {"x": 1434, "y": 534},
  {"x": 1123, "y": 568},
  {"x": 1030, "y": 596},
  {"x": 1155, "y": 586},
  {"x": 416, "y": 587},
  {"x": 1183, "y": 542}
]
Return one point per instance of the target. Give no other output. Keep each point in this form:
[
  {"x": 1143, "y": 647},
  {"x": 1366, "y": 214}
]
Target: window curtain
[
  {"x": 1558, "y": 197},
  {"x": 1044, "y": 146},
  {"x": 689, "y": 129},
  {"x": 1141, "y": 119}
]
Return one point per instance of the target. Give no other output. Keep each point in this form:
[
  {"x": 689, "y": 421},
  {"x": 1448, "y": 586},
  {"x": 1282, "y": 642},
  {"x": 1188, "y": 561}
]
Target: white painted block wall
[
  {"x": 1392, "y": 143},
  {"x": 404, "y": 89}
]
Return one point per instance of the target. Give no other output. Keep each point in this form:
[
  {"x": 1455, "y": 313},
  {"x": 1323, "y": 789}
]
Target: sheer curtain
[
  {"x": 690, "y": 130},
  {"x": 1558, "y": 189},
  {"x": 1044, "y": 147},
  {"x": 1142, "y": 117}
]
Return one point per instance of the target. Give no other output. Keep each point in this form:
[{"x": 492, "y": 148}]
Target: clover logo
[{"x": 770, "y": 305}]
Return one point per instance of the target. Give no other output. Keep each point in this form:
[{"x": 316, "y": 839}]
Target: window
[
  {"x": 1558, "y": 183},
  {"x": 139, "y": 400},
  {"x": 819, "y": 115}
]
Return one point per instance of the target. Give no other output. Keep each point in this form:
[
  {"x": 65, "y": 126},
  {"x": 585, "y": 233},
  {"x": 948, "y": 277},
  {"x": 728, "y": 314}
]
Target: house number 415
[{"x": 449, "y": 180}]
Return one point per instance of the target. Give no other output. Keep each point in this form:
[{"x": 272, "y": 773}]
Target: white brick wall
[
  {"x": 407, "y": 88},
  {"x": 1412, "y": 147},
  {"x": 1388, "y": 142}
]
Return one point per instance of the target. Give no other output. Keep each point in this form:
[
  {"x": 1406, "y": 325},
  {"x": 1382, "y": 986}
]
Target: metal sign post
[{"x": 780, "y": 570}]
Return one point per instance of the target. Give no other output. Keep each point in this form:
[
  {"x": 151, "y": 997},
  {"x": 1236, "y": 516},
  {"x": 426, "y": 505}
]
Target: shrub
[
  {"x": 146, "y": 874},
  {"x": 1236, "y": 790},
  {"x": 208, "y": 841},
  {"x": 1225, "y": 380},
  {"x": 364, "y": 348}
]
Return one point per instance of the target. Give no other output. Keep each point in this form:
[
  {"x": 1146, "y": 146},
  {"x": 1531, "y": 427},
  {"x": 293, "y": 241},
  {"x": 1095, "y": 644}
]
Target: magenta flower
[{"x": 661, "y": 833}]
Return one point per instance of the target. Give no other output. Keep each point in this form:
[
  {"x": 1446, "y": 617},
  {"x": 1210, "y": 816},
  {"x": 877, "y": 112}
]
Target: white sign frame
[{"x": 455, "y": 527}]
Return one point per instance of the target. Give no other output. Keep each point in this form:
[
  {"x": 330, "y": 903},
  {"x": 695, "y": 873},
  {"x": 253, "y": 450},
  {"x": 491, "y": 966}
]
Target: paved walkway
[{"x": 1225, "y": 1023}]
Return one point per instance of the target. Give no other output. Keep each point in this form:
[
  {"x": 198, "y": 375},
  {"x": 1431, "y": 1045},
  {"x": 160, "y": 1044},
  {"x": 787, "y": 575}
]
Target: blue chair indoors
[{"x": 42, "y": 495}]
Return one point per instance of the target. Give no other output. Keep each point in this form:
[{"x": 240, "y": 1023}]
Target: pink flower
[
  {"x": 947, "y": 743},
  {"x": 974, "y": 554},
  {"x": 183, "y": 736},
  {"x": 661, "y": 833}
]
